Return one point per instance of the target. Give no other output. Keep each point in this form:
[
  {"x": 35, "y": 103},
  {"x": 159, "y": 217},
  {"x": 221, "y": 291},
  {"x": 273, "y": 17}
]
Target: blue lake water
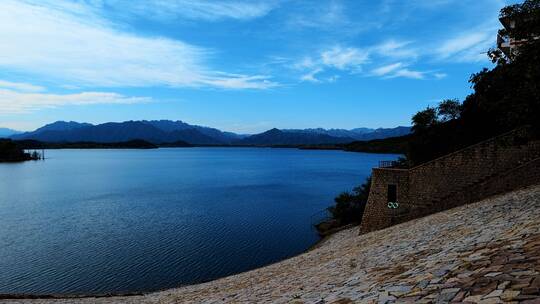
[{"x": 99, "y": 221}]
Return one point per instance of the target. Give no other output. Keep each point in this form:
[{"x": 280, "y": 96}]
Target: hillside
[
  {"x": 486, "y": 252},
  {"x": 397, "y": 145},
  {"x": 392, "y": 145},
  {"x": 275, "y": 137}
]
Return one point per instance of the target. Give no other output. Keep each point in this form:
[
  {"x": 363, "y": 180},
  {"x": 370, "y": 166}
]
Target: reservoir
[{"x": 110, "y": 221}]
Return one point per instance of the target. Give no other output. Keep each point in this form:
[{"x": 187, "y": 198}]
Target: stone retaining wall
[{"x": 498, "y": 165}]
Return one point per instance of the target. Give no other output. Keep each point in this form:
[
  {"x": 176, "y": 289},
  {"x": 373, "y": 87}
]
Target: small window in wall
[{"x": 392, "y": 194}]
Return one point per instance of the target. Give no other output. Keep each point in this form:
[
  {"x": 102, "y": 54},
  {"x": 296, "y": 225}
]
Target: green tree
[
  {"x": 9, "y": 151},
  {"x": 449, "y": 109},
  {"x": 526, "y": 17},
  {"x": 425, "y": 119}
]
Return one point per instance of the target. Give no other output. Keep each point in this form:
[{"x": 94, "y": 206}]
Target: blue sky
[{"x": 238, "y": 65}]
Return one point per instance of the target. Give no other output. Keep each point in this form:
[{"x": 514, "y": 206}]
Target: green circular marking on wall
[{"x": 393, "y": 205}]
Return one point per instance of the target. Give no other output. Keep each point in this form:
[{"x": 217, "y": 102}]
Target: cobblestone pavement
[{"x": 488, "y": 252}]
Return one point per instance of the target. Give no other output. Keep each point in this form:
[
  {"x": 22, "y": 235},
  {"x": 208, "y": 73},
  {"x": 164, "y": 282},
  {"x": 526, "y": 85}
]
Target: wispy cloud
[
  {"x": 471, "y": 26},
  {"x": 234, "y": 81},
  {"x": 207, "y": 10},
  {"x": 387, "y": 69},
  {"x": 353, "y": 60},
  {"x": 392, "y": 5},
  {"x": 396, "y": 49},
  {"x": 399, "y": 69},
  {"x": 469, "y": 46},
  {"x": 339, "y": 58},
  {"x": 406, "y": 73},
  {"x": 15, "y": 102},
  {"x": 71, "y": 45},
  {"x": 311, "y": 75},
  {"x": 20, "y": 86},
  {"x": 320, "y": 15},
  {"x": 440, "y": 75}
]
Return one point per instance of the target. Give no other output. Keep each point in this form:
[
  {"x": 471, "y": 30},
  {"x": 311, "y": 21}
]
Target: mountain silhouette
[{"x": 168, "y": 131}]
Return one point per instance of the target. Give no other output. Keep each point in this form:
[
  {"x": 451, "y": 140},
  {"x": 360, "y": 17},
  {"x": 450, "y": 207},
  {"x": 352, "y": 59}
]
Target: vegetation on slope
[
  {"x": 390, "y": 145},
  {"x": 348, "y": 209},
  {"x": 395, "y": 145}
]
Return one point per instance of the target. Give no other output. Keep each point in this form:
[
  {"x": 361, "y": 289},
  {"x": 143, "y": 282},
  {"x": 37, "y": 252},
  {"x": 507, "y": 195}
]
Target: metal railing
[{"x": 387, "y": 163}]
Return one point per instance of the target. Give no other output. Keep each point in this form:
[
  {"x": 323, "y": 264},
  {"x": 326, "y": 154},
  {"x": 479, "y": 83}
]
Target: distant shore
[
  {"x": 10, "y": 152},
  {"x": 393, "y": 145}
]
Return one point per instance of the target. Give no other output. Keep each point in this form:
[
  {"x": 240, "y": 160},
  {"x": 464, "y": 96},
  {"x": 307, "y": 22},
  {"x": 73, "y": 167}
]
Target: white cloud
[
  {"x": 20, "y": 86},
  {"x": 396, "y": 49},
  {"x": 311, "y": 76},
  {"x": 344, "y": 58},
  {"x": 466, "y": 40},
  {"x": 305, "y": 63},
  {"x": 13, "y": 102},
  {"x": 406, "y": 73},
  {"x": 440, "y": 75},
  {"x": 353, "y": 60},
  {"x": 397, "y": 70},
  {"x": 71, "y": 45},
  {"x": 467, "y": 47},
  {"x": 385, "y": 70},
  {"x": 208, "y": 10},
  {"x": 232, "y": 81}
]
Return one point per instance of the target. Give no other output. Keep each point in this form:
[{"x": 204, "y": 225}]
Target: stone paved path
[{"x": 488, "y": 252}]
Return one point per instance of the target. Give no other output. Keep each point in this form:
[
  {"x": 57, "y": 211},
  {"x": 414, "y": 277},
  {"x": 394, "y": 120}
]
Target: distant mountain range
[
  {"x": 5, "y": 132},
  {"x": 362, "y": 134},
  {"x": 167, "y": 131}
]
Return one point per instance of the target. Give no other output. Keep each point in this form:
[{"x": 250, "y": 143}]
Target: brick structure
[{"x": 500, "y": 164}]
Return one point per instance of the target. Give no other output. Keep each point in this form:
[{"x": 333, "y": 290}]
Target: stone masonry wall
[
  {"x": 523, "y": 176},
  {"x": 379, "y": 214},
  {"x": 438, "y": 178},
  {"x": 458, "y": 178}
]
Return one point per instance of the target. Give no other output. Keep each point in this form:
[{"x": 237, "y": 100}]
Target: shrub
[{"x": 349, "y": 206}]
